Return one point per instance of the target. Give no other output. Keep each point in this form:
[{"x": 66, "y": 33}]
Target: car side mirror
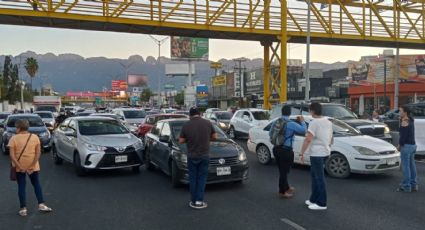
[
  {"x": 70, "y": 133},
  {"x": 165, "y": 139}
]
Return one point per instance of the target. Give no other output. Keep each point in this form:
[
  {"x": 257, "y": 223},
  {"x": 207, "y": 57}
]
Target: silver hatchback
[{"x": 96, "y": 143}]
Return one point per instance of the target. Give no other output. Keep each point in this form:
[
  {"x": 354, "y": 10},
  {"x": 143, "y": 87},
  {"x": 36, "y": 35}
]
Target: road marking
[{"x": 292, "y": 224}]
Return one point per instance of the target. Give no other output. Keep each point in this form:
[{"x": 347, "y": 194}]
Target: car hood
[
  {"x": 218, "y": 149},
  {"x": 46, "y": 120},
  {"x": 369, "y": 142},
  {"x": 224, "y": 121},
  {"x": 35, "y": 130},
  {"x": 110, "y": 140},
  {"x": 361, "y": 122}
]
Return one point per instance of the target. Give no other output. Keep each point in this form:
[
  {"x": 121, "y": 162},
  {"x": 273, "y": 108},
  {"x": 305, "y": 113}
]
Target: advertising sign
[
  {"x": 219, "y": 81},
  {"x": 202, "y": 96},
  {"x": 137, "y": 89},
  {"x": 137, "y": 80},
  {"x": 186, "y": 48},
  {"x": 119, "y": 85},
  {"x": 254, "y": 82},
  {"x": 169, "y": 86}
]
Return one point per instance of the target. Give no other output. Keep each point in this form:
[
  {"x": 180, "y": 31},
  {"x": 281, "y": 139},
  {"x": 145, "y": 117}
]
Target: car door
[
  {"x": 246, "y": 124},
  {"x": 60, "y": 138},
  {"x": 164, "y": 149},
  {"x": 152, "y": 142},
  {"x": 69, "y": 142}
]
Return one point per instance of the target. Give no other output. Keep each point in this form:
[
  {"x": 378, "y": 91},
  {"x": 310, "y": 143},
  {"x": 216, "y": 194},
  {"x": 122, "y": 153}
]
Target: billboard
[
  {"x": 187, "y": 48},
  {"x": 370, "y": 70},
  {"x": 219, "y": 81},
  {"x": 137, "y": 80},
  {"x": 173, "y": 70},
  {"x": 202, "y": 96},
  {"x": 254, "y": 82},
  {"x": 119, "y": 85}
]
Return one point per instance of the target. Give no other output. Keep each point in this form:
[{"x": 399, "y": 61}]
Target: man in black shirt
[{"x": 197, "y": 133}]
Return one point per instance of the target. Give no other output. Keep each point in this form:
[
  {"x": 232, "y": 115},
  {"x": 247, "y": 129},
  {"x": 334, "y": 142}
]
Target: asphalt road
[{"x": 122, "y": 200}]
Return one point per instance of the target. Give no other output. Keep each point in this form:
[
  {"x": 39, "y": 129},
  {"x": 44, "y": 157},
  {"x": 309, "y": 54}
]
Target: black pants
[{"x": 284, "y": 159}]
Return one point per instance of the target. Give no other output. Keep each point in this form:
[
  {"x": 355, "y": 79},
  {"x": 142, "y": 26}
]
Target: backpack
[{"x": 277, "y": 133}]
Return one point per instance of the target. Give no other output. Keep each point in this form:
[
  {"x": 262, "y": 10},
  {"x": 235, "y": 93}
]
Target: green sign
[
  {"x": 187, "y": 48},
  {"x": 169, "y": 86},
  {"x": 98, "y": 101}
]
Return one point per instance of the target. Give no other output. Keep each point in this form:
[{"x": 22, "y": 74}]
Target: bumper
[
  {"x": 369, "y": 165},
  {"x": 102, "y": 160},
  {"x": 238, "y": 173},
  {"x": 46, "y": 143}
]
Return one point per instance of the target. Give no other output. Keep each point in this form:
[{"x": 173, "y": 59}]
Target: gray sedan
[{"x": 96, "y": 143}]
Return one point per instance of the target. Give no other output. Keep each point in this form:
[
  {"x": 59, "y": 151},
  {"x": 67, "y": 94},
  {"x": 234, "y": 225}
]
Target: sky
[{"x": 19, "y": 39}]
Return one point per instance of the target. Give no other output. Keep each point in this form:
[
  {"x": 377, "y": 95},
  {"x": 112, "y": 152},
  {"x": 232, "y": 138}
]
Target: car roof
[
  {"x": 103, "y": 114},
  {"x": 42, "y": 111},
  {"x": 24, "y": 115},
  {"x": 90, "y": 118},
  {"x": 174, "y": 120},
  {"x": 164, "y": 115},
  {"x": 253, "y": 110},
  {"x": 127, "y": 109}
]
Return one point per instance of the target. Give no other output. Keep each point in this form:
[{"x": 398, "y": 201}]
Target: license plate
[
  {"x": 391, "y": 161},
  {"x": 120, "y": 159},
  {"x": 223, "y": 171}
]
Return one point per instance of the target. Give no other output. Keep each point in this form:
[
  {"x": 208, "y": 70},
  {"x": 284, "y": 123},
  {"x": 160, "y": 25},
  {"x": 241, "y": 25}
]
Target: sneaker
[
  {"x": 291, "y": 190},
  {"x": 308, "y": 202},
  {"x": 316, "y": 207},
  {"x": 201, "y": 204},
  {"x": 415, "y": 188},
  {"x": 286, "y": 195},
  {"x": 402, "y": 189}
]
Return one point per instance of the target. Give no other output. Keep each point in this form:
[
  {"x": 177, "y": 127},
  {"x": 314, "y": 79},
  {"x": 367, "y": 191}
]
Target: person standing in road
[
  {"x": 283, "y": 152},
  {"x": 317, "y": 144},
  {"x": 407, "y": 147},
  {"x": 25, "y": 154},
  {"x": 197, "y": 133}
]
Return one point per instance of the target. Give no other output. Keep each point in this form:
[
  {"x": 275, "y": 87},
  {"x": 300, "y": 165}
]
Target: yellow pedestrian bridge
[{"x": 274, "y": 23}]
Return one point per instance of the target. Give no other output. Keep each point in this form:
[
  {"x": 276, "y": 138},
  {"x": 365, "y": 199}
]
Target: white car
[
  {"x": 132, "y": 117},
  {"x": 245, "y": 119},
  {"x": 351, "y": 152}
]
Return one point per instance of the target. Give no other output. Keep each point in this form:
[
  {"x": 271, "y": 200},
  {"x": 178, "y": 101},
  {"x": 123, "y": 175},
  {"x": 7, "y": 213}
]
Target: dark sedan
[{"x": 228, "y": 162}]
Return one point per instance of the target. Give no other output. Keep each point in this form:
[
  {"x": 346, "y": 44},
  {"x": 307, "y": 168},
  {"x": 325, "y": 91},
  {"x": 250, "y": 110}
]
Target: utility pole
[
  {"x": 159, "y": 42},
  {"x": 22, "y": 94},
  {"x": 385, "y": 82},
  {"x": 240, "y": 70},
  {"x": 397, "y": 77},
  {"x": 307, "y": 64}
]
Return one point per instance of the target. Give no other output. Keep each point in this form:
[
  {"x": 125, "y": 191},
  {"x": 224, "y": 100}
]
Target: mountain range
[{"x": 71, "y": 72}]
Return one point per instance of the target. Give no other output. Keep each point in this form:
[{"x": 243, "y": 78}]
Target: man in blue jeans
[
  {"x": 317, "y": 143},
  {"x": 197, "y": 134}
]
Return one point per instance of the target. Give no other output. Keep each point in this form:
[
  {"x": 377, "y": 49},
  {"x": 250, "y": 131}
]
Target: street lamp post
[
  {"x": 307, "y": 64},
  {"x": 22, "y": 94},
  {"x": 159, "y": 42}
]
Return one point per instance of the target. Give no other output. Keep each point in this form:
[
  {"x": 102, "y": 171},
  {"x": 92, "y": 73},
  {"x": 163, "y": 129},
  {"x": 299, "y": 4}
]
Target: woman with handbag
[{"x": 25, "y": 153}]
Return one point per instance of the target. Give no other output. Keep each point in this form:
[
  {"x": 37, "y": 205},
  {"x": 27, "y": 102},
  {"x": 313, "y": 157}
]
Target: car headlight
[
  {"x": 181, "y": 157},
  {"x": 223, "y": 125},
  {"x": 93, "y": 147},
  {"x": 242, "y": 154},
  {"x": 138, "y": 144},
  {"x": 387, "y": 129},
  {"x": 44, "y": 134},
  {"x": 365, "y": 151}
]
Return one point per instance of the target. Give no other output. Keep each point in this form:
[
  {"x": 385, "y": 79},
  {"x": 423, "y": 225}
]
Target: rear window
[
  {"x": 34, "y": 121},
  {"x": 47, "y": 108},
  {"x": 261, "y": 115},
  {"x": 45, "y": 115}
]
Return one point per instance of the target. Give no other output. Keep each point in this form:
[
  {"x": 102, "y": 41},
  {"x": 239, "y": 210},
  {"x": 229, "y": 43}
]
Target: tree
[
  {"x": 179, "y": 99},
  {"x": 7, "y": 66},
  {"x": 146, "y": 95},
  {"x": 13, "y": 89},
  {"x": 31, "y": 65}
]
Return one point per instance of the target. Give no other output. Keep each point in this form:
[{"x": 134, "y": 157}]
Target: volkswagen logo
[
  {"x": 121, "y": 149},
  {"x": 222, "y": 161}
]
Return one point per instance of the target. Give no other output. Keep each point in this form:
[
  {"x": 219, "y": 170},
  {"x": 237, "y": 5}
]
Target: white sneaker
[
  {"x": 316, "y": 207},
  {"x": 308, "y": 202}
]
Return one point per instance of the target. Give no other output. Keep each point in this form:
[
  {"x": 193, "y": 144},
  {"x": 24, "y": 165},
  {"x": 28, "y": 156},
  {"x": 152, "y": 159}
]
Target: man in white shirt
[{"x": 317, "y": 144}]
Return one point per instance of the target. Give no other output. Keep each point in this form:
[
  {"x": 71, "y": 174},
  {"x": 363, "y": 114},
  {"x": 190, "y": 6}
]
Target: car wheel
[
  {"x": 232, "y": 133},
  {"x": 135, "y": 169},
  {"x": 79, "y": 170},
  {"x": 263, "y": 155},
  {"x": 175, "y": 175},
  {"x": 56, "y": 158},
  {"x": 337, "y": 166},
  {"x": 148, "y": 164}
]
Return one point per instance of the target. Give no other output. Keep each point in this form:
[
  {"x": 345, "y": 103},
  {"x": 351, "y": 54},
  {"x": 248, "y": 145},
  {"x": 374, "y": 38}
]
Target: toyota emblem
[
  {"x": 222, "y": 161},
  {"x": 121, "y": 149}
]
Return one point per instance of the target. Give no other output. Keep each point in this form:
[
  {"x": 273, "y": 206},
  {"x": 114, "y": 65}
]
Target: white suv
[{"x": 243, "y": 120}]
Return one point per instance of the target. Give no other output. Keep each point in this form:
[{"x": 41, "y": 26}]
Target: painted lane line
[{"x": 292, "y": 224}]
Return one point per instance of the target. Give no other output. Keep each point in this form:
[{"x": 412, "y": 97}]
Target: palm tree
[{"x": 31, "y": 65}]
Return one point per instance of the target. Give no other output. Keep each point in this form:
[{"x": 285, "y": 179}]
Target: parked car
[
  {"x": 208, "y": 112},
  {"x": 48, "y": 118},
  {"x": 351, "y": 151},
  {"x": 221, "y": 119},
  {"x": 36, "y": 126},
  {"x": 228, "y": 160},
  {"x": 96, "y": 143},
  {"x": 151, "y": 120},
  {"x": 132, "y": 117},
  {"x": 244, "y": 119},
  {"x": 340, "y": 112}
]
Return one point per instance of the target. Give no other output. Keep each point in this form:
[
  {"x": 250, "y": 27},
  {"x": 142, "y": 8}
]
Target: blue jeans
[
  {"x": 198, "y": 175},
  {"x": 318, "y": 186},
  {"x": 21, "y": 180},
  {"x": 408, "y": 166}
]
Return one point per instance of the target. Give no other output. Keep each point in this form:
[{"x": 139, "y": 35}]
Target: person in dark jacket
[{"x": 407, "y": 147}]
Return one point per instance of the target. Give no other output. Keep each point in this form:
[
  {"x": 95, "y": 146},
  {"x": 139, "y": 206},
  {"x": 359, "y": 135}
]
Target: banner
[
  {"x": 202, "y": 96},
  {"x": 137, "y": 80},
  {"x": 119, "y": 85},
  {"x": 219, "y": 81},
  {"x": 254, "y": 82},
  {"x": 187, "y": 48}
]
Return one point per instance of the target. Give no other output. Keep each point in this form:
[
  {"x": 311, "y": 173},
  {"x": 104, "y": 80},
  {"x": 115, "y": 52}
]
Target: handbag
[{"x": 13, "y": 168}]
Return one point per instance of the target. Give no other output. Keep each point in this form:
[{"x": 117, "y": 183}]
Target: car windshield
[
  {"x": 418, "y": 110},
  {"x": 47, "y": 108},
  {"x": 341, "y": 128},
  {"x": 45, "y": 115},
  {"x": 338, "y": 112},
  {"x": 34, "y": 121},
  {"x": 131, "y": 114},
  {"x": 224, "y": 116},
  {"x": 101, "y": 127},
  {"x": 261, "y": 115},
  {"x": 177, "y": 128}
]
